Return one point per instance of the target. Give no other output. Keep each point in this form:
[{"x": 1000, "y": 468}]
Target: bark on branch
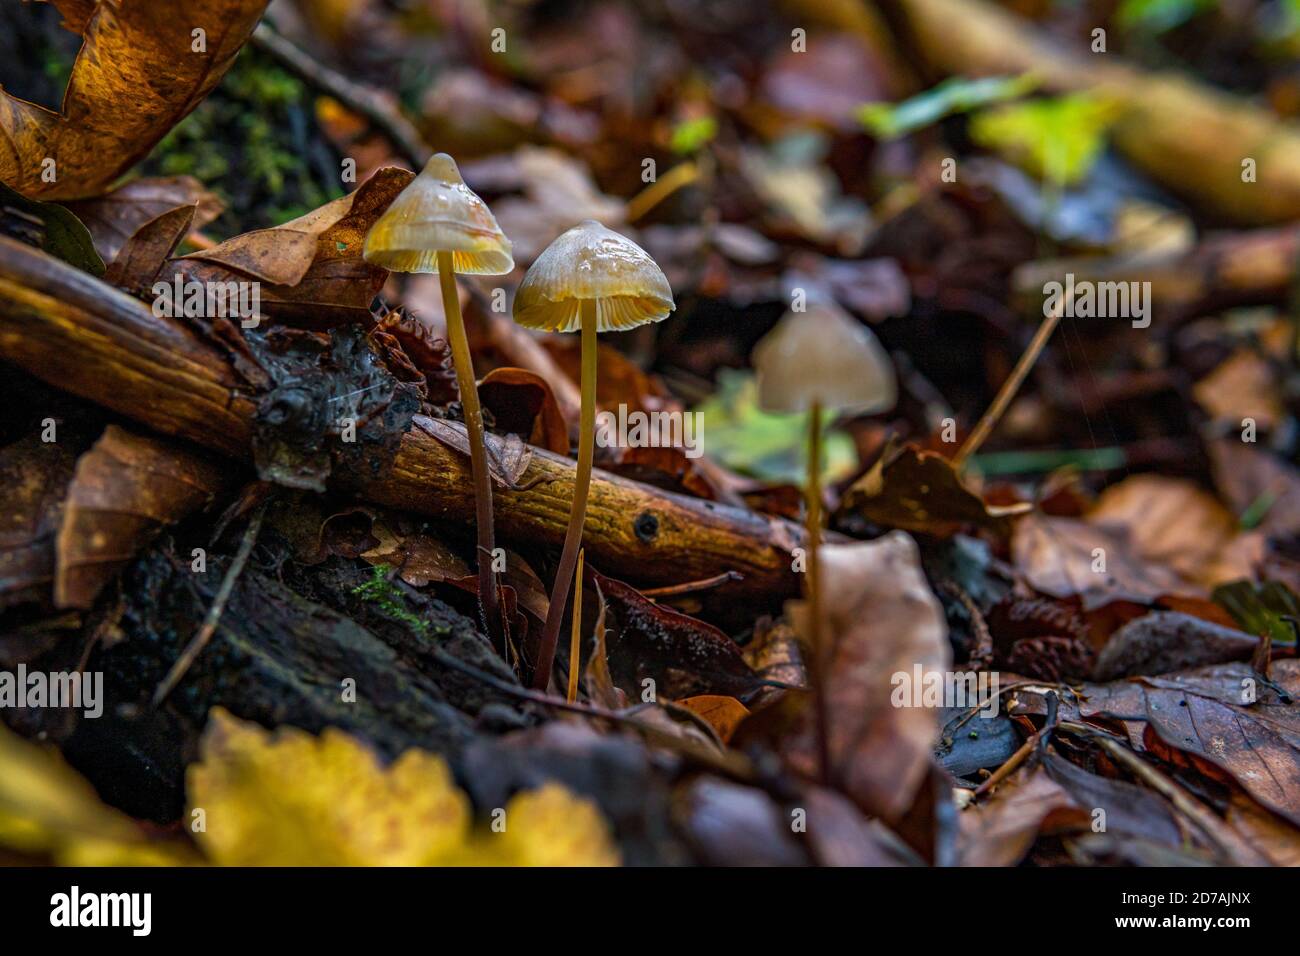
[{"x": 83, "y": 336}]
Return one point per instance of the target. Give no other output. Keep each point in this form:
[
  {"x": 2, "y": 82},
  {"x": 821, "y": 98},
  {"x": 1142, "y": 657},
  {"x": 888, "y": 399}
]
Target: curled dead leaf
[
  {"x": 137, "y": 75},
  {"x": 882, "y": 620},
  {"x": 311, "y": 267},
  {"x": 125, "y": 490},
  {"x": 917, "y": 490}
]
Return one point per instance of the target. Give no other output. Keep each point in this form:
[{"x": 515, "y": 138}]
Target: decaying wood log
[{"x": 81, "y": 335}]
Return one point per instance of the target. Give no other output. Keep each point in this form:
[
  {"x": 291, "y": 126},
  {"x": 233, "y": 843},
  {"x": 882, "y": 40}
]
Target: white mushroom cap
[
  {"x": 823, "y": 355},
  {"x": 592, "y": 262},
  {"x": 439, "y": 213}
]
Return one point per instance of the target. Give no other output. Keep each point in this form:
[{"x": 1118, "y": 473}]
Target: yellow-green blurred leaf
[
  {"x": 1056, "y": 139},
  {"x": 50, "y": 813}
]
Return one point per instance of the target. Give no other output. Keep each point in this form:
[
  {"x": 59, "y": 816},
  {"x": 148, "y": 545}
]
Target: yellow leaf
[
  {"x": 552, "y": 827},
  {"x": 48, "y": 811},
  {"x": 292, "y": 799}
]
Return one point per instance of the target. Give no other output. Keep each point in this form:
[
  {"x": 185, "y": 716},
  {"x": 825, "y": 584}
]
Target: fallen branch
[{"x": 83, "y": 336}]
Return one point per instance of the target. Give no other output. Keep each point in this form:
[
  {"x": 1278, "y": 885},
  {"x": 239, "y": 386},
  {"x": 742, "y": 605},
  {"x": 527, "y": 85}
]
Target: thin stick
[
  {"x": 693, "y": 587},
  {"x": 683, "y": 174},
  {"x": 368, "y": 102},
  {"x": 575, "y": 639},
  {"x": 1010, "y": 387},
  {"x": 1224, "y": 838},
  {"x": 213, "y": 618},
  {"x": 578, "y": 511},
  {"x": 817, "y": 650},
  {"x": 1034, "y": 742},
  {"x": 464, "y": 363}
]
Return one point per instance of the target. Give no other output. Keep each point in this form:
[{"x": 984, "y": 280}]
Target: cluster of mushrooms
[{"x": 593, "y": 280}]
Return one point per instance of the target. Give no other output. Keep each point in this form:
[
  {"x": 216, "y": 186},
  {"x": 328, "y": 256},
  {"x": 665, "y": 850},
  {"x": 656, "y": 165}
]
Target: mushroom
[
  {"x": 810, "y": 361},
  {"x": 438, "y": 224},
  {"x": 592, "y": 279}
]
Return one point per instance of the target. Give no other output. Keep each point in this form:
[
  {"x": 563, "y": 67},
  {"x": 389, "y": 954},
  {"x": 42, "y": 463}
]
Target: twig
[
  {"x": 1034, "y": 743},
  {"x": 209, "y": 626},
  {"x": 692, "y": 587},
  {"x": 982, "y": 655},
  {"x": 368, "y": 102},
  {"x": 681, "y": 175},
  {"x": 1010, "y": 387},
  {"x": 1185, "y": 803}
]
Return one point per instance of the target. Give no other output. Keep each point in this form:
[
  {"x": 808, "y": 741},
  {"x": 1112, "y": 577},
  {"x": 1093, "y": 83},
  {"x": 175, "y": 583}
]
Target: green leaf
[
  {"x": 955, "y": 95},
  {"x": 1159, "y": 16},
  {"x": 770, "y": 447},
  {"x": 62, "y": 234},
  {"x": 690, "y": 135},
  {"x": 1269, "y": 608},
  {"x": 1057, "y": 139}
]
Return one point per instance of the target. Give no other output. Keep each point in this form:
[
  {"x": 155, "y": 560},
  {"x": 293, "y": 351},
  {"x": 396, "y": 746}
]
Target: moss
[
  {"x": 255, "y": 143},
  {"x": 382, "y": 592}
]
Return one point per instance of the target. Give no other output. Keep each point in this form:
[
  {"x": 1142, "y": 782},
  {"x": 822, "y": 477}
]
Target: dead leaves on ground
[
  {"x": 916, "y": 490},
  {"x": 1222, "y": 717},
  {"x": 883, "y": 619},
  {"x": 124, "y": 490},
  {"x": 80, "y": 512},
  {"x": 311, "y": 267},
  {"x": 137, "y": 75},
  {"x": 1145, "y": 537}
]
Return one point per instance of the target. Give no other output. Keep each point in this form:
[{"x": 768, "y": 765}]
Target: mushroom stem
[
  {"x": 575, "y": 639},
  {"x": 817, "y": 649},
  {"x": 578, "y": 511},
  {"x": 460, "y": 355}
]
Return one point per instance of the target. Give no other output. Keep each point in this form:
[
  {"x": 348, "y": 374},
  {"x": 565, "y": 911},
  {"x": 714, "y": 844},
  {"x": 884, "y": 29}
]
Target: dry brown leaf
[
  {"x": 417, "y": 556},
  {"x": 136, "y": 77},
  {"x": 522, "y": 403},
  {"x": 114, "y": 217},
  {"x": 311, "y": 267},
  {"x": 149, "y": 247},
  {"x": 1058, "y": 557},
  {"x": 125, "y": 490},
  {"x": 1268, "y": 833},
  {"x": 1242, "y": 386},
  {"x": 507, "y": 458},
  {"x": 1001, "y": 831},
  {"x": 723, "y": 713},
  {"x": 1210, "y": 715},
  {"x": 1174, "y": 523},
  {"x": 917, "y": 490},
  {"x": 34, "y": 476},
  {"x": 883, "y": 620},
  {"x": 684, "y": 656},
  {"x": 1246, "y": 475}
]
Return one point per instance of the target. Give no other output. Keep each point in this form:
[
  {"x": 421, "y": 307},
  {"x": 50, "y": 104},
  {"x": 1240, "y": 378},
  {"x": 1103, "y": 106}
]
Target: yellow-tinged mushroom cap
[
  {"x": 592, "y": 262},
  {"x": 826, "y": 355},
  {"x": 439, "y": 213}
]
